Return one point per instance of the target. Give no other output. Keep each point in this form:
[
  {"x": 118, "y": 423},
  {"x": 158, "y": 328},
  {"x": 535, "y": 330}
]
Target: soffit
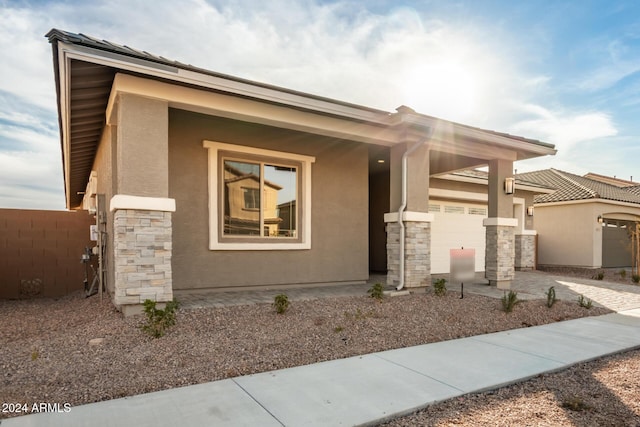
[{"x": 89, "y": 89}]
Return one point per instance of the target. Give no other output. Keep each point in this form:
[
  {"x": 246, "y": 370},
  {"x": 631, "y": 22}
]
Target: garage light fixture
[
  {"x": 600, "y": 219},
  {"x": 529, "y": 210},
  {"x": 509, "y": 185}
]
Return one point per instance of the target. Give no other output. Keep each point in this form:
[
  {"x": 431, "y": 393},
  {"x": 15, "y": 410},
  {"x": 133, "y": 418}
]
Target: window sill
[{"x": 254, "y": 246}]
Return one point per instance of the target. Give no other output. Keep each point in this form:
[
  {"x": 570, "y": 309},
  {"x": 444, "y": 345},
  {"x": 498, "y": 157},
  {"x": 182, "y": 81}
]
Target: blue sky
[{"x": 564, "y": 72}]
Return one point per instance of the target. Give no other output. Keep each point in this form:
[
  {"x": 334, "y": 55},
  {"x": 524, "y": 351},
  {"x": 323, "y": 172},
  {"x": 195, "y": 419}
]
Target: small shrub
[
  {"x": 35, "y": 354},
  {"x": 440, "y": 287},
  {"x": 551, "y": 297},
  {"x": 281, "y": 303},
  {"x": 338, "y": 329},
  {"x": 623, "y": 273},
  {"x": 575, "y": 404},
  {"x": 635, "y": 278},
  {"x": 584, "y": 302},
  {"x": 376, "y": 291},
  {"x": 598, "y": 276},
  {"x": 509, "y": 301},
  {"x": 158, "y": 320}
]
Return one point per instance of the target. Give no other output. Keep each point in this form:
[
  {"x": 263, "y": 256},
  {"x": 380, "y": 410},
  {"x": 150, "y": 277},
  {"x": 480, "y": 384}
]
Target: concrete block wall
[
  {"x": 525, "y": 252},
  {"x": 40, "y": 252},
  {"x": 142, "y": 254}
]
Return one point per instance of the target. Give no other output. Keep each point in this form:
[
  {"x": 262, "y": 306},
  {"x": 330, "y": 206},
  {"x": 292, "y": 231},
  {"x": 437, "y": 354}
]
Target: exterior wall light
[
  {"x": 529, "y": 210},
  {"x": 509, "y": 185},
  {"x": 600, "y": 219}
]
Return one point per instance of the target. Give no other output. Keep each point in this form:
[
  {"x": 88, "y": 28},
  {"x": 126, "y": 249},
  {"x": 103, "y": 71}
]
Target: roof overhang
[
  {"x": 90, "y": 75},
  {"x": 586, "y": 201}
]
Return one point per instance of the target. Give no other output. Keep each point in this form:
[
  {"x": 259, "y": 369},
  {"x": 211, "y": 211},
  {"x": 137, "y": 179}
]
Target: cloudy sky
[{"x": 564, "y": 72}]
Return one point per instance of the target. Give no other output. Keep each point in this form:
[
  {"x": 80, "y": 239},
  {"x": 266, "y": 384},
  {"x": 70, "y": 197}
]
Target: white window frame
[{"x": 216, "y": 240}]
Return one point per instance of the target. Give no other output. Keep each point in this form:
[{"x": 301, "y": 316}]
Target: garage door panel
[{"x": 454, "y": 231}]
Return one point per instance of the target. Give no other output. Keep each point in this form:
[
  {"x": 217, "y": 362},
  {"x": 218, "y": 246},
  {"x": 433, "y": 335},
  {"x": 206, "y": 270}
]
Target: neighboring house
[
  {"x": 250, "y": 200},
  {"x": 202, "y": 180},
  {"x": 612, "y": 180},
  {"x": 585, "y": 222}
]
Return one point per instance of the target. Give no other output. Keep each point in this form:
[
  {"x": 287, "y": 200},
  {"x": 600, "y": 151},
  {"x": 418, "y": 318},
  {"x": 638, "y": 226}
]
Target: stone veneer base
[
  {"x": 500, "y": 255},
  {"x": 417, "y": 253},
  {"x": 525, "y": 258},
  {"x": 142, "y": 257}
]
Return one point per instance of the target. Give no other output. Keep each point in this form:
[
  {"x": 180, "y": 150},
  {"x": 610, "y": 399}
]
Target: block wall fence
[{"x": 40, "y": 252}]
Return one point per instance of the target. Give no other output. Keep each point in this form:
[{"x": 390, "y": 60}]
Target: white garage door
[{"x": 456, "y": 225}]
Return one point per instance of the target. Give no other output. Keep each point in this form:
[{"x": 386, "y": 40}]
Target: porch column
[
  {"x": 142, "y": 228},
  {"x": 500, "y": 227},
  {"x": 416, "y": 219}
]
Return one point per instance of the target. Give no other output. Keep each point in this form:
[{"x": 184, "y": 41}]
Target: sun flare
[{"x": 446, "y": 90}]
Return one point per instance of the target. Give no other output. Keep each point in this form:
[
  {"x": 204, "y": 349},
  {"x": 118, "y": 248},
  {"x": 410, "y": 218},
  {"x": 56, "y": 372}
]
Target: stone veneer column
[
  {"x": 142, "y": 251},
  {"x": 500, "y": 251},
  {"x": 525, "y": 250},
  {"x": 417, "y": 251}
]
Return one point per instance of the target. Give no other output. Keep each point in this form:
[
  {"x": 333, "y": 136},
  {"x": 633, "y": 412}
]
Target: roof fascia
[
  {"x": 241, "y": 108},
  {"x": 444, "y": 130},
  {"x": 218, "y": 83},
  {"x": 295, "y": 100},
  {"x": 583, "y": 201},
  {"x": 63, "y": 79}
]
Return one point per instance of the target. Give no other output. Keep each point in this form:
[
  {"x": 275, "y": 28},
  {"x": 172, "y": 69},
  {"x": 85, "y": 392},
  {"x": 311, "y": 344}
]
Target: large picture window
[{"x": 258, "y": 199}]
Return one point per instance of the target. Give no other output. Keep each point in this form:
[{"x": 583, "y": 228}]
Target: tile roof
[
  {"x": 572, "y": 187},
  {"x": 611, "y": 180},
  {"x": 634, "y": 189}
]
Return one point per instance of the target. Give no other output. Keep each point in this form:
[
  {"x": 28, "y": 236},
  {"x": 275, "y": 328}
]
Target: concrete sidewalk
[{"x": 364, "y": 390}]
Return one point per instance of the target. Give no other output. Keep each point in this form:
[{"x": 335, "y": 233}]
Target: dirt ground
[{"x": 49, "y": 352}]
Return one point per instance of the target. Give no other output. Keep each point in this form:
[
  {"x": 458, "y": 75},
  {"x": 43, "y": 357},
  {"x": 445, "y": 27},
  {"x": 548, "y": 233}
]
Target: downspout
[{"x": 403, "y": 205}]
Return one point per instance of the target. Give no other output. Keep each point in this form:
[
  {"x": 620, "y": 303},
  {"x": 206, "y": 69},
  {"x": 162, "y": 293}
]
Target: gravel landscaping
[{"x": 48, "y": 354}]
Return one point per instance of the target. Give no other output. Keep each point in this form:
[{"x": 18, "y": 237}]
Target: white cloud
[
  {"x": 457, "y": 71},
  {"x": 563, "y": 129}
]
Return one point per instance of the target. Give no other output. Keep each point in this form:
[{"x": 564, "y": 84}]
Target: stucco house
[
  {"x": 165, "y": 153},
  {"x": 585, "y": 222}
]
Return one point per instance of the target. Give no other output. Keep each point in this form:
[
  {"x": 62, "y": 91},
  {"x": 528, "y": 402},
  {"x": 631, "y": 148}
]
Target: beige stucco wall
[
  {"x": 141, "y": 155},
  {"x": 104, "y": 166},
  {"x": 570, "y": 235},
  {"x": 339, "y": 249}
]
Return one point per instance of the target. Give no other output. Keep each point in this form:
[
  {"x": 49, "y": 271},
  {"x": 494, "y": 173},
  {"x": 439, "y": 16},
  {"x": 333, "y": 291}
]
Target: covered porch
[{"x": 400, "y": 221}]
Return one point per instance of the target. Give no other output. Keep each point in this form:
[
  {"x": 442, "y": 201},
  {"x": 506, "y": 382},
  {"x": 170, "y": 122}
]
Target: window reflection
[{"x": 260, "y": 199}]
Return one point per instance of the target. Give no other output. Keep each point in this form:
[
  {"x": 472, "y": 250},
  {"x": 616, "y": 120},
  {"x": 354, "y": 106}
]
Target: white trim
[
  {"x": 268, "y": 244},
  {"x": 123, "y": 201},
  {"x": 257, "y": 151},
  {"x": 503, "y": 222},
  {"x": 528, "y": 233},
  {"x": 575, "y": 202},
  {"x": 409, "y": 216}
]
